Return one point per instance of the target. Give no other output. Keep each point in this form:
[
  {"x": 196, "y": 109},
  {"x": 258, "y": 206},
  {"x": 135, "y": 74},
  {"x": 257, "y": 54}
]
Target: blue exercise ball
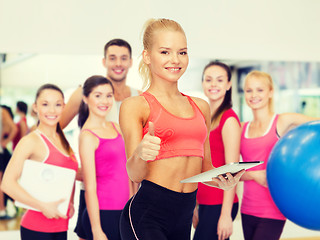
[{"x": 293, "y": 175}]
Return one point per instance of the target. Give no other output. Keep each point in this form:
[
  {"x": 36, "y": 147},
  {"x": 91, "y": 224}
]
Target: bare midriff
[{"x": 169, "y": 172}]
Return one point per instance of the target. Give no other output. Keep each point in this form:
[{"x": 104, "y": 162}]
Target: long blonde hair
[
  {"x": 150, "y": 27},
  {"x": 265, "y": 77}
]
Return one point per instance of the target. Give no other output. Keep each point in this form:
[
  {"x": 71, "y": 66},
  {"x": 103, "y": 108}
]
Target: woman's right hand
[
  {"x": 50, "y": 209},
  {"x": 149, "y": 147}
]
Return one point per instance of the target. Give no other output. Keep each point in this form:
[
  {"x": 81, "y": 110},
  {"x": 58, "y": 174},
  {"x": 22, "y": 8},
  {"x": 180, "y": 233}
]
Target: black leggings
[
  {"x": 256, "y": 228},
  {"x": 27, "y": 234},
  {"x": 208, "y": 221},
  {"x": 158, "y": 213},
  {"x": 109, "y": 220}
]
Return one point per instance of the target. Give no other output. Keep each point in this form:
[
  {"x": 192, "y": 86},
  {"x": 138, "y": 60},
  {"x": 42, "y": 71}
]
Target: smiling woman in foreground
[{"x": 166, "y": 138}]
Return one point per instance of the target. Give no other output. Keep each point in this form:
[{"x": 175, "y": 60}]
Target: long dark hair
[
  {"x": 63, "y": 138},
  {"x": 227, "y": 101},
  {"x": 87, "y": 88}
]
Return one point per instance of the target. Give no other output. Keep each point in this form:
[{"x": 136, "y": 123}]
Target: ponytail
[
  {"x": 64, "y": 140},
  {"x": 83, "y": 114}
]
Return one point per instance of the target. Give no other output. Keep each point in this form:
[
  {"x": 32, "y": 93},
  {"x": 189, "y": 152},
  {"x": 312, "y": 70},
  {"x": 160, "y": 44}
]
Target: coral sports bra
[{"x": 179, "y": 136}]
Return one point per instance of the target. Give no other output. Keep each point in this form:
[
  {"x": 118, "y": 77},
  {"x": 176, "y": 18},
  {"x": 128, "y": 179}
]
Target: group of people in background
[
  {"x": 11, "y": 132},
  {"x": 135, "y": 147}
]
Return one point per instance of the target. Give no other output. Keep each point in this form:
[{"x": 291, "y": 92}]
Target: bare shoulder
[
  {"x": 30, "y": 144},
  {"x": 134, "y": 112},
  {"x": 134, "y": 105},
  {"x": 131, "y": 101},
  {"x": 32, "y": 137},
  {"x": 87, "y": 141},
  {"x": 6, "y": 118},
  {"x": 117, "y": 126},
  {"x": 232, "y": 121},
  {"x": 202, "y": 104},
  {"x": 4, "y": 112},
  {"x": 86, "y": 136}
]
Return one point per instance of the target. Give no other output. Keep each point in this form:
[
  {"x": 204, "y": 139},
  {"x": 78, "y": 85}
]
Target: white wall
[
  {"x": 230, "y": 29},
  {"x": 65, "y": 38},
  {"x": 63, "y": 70}
]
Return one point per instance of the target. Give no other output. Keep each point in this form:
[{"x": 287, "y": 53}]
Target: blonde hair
[
  {"x": 265, "y": 77},
  {"x": 150, "y": 27}
]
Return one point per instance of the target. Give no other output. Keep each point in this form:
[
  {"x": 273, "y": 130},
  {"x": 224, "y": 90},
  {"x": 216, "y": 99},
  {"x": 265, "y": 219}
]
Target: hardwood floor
[
  {"x": 308, "y": 238},
  {"x": 14, "y": 224},
  {"x": 10, "y": 224}
]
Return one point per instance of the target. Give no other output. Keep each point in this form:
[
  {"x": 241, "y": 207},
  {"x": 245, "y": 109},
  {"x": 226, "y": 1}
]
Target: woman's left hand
[
  {"x": 228, "y": 182},
  {"x": 225, "y": 227}
]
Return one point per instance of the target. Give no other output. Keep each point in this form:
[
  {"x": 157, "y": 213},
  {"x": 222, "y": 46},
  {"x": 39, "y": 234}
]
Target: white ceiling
[{"x": 224, "y": 29}]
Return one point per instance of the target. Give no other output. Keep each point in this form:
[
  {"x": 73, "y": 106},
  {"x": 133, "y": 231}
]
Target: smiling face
[
  {"x": 168, "y": 58},
  {"x": 258, "y": 93},
  {"x": 49, "y": 106},
  {"x": 117, "y": 62},
  {"x": 215, "y": 83},
  {"x": 100, "y": 100}
]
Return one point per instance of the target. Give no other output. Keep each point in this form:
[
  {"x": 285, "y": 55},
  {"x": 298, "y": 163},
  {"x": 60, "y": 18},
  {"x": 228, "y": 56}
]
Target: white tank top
[{"x": 113, "y": 115}]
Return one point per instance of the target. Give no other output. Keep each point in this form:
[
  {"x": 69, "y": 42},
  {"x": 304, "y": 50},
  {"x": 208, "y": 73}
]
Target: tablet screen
[{"x": 232, "y": 168}]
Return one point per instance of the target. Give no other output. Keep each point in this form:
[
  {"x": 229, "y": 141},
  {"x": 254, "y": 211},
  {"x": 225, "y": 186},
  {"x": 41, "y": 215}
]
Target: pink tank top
[
  {"x": 179, "y": 136},
  {"x": 111, "y": 173},
  {"x": 36, "y": 221},
  {"x": 256, "y": 200},
  {"x": 209, "y": 195}
]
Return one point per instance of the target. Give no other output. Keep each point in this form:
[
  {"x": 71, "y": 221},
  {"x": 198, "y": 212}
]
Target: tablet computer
[
  {"x": 231, "y": 168},
  {"x": 48, "y": 183}
]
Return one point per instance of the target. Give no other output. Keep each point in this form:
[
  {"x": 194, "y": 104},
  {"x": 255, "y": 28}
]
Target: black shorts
[
  {"x": 4, "y": 159},
  {"x": 79, "y": 229},
  {"x": 209, "y": 216},
  {"x": 109, "y": 220}
]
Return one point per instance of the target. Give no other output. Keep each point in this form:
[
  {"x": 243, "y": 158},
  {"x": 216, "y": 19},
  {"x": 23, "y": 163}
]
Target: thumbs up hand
[
  {"x": 150, "y": 145},
  {"x": 151, "y": 129}
]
